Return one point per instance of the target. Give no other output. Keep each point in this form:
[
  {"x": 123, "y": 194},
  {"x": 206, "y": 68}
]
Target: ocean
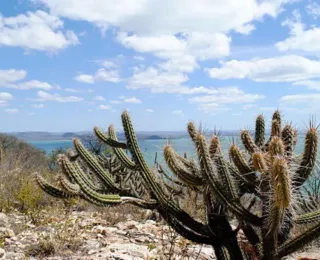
[{"x": 150, "y": 147}]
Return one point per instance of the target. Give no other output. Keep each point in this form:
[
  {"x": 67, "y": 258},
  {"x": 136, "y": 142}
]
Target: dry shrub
[{"x": 18, "y": 163}]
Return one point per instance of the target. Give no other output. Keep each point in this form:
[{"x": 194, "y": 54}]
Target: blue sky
[{"x": 71, "y": 65}]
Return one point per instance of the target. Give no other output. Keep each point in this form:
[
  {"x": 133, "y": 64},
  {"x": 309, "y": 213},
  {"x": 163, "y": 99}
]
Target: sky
[{"x": 71, "y": 65}]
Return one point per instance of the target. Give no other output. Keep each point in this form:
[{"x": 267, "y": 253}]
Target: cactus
[{"x": 265, "y": 169}]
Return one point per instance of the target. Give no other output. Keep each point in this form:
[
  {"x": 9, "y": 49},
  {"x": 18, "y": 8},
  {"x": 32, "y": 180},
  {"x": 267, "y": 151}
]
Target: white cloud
[
  {"x": 45, "y": 96},
  {"x": 105, "y": 107},
  {"x": 310, "y": 84},
  {"x": 300, "y": 39},
  {"x": 198, "y": 31},
  {"x": 109, "y": 64},
  {"x": 135, "y": 16},
  {"x": 132, "y": 100},
  {"x": 157, "y": 81},
  {"x": 85, "y": 78},
  {"x": 201, "y": 45},
  {"x": 212, "y": 108},
  {"x": 32, "y": 84},
  {"x": 36, "y": 31},
  {"x": 38, "y": 106},
  {"x": 149, "y": 110},
  {"x": 4, "y": 96},
  {"x": 3, "y": 103},
  {"x": 100, "y": 75},
  {"x": 99, "y": 98},
  {"x": 181, "y": 54},
  {"x": 301, "y": 98},
  {"x": 230, "y": 95},
  {"x": 278, "y": 69},
  {"x": 184, "y": 63},
  {"x": 11, "y": 110},
  {"x": 10, "y": 76},
  {"x": 314, "y": 10},
  {"x": 177, "y": 113},
  {"x": 245, "y": 29},
  {"x": 123, "y": 99}
]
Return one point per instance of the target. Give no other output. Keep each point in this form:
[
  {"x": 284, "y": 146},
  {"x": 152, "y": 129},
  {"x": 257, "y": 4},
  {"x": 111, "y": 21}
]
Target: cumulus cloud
[
  {"x": 230, "y": 95},
  {"x": 149, "y": 110},
  {"x": 199, "y": 32},
  {"x": 300, "y": 98},
  {"x": 105, "y": 107},
  {"x": 123, "y": 99},
  {"x": 278, "y": 69},
  {"x": 203, "y": 16},
  {"x": 310, "y": 84},
  {"x": 45, "y": 96},
  {"x": 11, "y": 75},
  {"x": 36, "y": 31},
  {"x": 100, "y": 75},
  {"x": 132, "y": 100},
  {"x": 32, "y": 84},
  {"x": 313, "y": 9},
  {"x": 301, "y": 38},
  {"x": 5, "y": 96}
]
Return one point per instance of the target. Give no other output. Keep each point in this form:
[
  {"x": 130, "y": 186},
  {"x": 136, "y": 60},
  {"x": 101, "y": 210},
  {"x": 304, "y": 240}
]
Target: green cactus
[{"x": 265, "y": 170}]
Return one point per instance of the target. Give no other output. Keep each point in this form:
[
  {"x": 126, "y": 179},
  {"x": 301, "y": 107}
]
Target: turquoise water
[
  {"x": 50, "y": 145},
  {"x": 150, "y": 147}
]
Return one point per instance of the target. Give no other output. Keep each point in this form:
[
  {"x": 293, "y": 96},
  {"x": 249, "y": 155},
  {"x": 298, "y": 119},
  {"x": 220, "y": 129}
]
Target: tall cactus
[{"x": 265, "y": 169}]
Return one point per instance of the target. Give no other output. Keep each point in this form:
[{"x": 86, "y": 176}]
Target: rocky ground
[{"x": 89, "y": 235}]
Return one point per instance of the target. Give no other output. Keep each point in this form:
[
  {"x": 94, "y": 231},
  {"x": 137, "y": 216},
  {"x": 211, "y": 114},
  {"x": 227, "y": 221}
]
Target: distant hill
[{"x": 142, "y": 135}]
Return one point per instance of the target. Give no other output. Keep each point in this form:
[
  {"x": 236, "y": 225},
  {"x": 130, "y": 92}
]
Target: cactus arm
[
  {"x": 108, "y": 139},
  {"x": 241, "y": 163},
  {"x": 99, "y": 197},
  {"x": 260, "y": 131},
  {"x": 216, "y": 156},
  {"x": 95, "y": 166},
  {"x": 167, "y": 176},
  {"x": 276, "y": 124},
  {"x": 84, "y": 177},
  {"x": 244, "y": 185},
  {"x": 308, "y": 218},
  {"x": 248, "y": 142},
  {"x": 121, "y": 155},
  {"x": 146, "y": 174},
  {"x": 275, "y": 128},
  {"x": 309, "y": 157},
  {"x": 288, "y": 138},
  {"x": 51, "y": 189},
  {"x": 70, "y": 187},
  {"x": 191, "y": 234},
  {"x": 226, "y": 177},
  {"x": 211, "y": 176},
  {"x": 219, "y": 225},
  {"x": 179, "y": 169},
  {"x": 190, "y": 164},
  {"x": 299, "y": 241},
  {"x": 182, "y": 219}
]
